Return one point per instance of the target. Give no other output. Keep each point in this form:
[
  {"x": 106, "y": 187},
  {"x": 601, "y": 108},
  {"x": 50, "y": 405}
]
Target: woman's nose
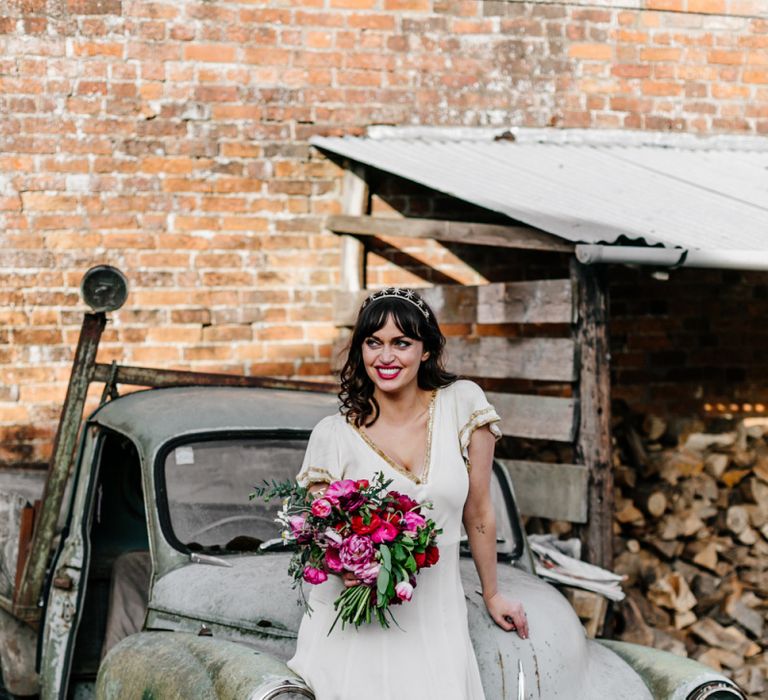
[{"x": 386, "y": 355}]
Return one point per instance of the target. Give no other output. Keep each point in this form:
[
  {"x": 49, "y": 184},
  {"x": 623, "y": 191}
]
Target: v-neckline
[{"x": 423, "y": 476}]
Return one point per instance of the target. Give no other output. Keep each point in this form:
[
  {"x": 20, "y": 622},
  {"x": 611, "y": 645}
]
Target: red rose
[
  {"x": 362, "y": 483},
  {"x": 404, "y": 503},
  {"x": 421, "y": 558},
  {"x": 433, "y": 555},
  {"x": 360, "y": 527}
]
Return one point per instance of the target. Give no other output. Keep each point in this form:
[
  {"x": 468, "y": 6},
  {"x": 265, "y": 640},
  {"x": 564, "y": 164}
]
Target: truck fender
[
  {"x": 671, "y": 677},
  {"x": 161, "y": 665},
  {"x": 18, "y": 646}
]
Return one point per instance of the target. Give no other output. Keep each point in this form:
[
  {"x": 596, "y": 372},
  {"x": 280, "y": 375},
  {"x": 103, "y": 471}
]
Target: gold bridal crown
[{"x": 398, "y": 293}]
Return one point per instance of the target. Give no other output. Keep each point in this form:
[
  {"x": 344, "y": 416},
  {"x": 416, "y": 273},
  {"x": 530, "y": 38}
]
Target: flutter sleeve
[
  {"x": 474, "y": 411},
  {"x": 322, "y": 460}
]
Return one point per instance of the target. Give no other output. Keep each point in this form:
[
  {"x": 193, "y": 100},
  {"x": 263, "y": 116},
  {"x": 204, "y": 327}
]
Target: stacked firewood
[{"x": 691, "y": 526}]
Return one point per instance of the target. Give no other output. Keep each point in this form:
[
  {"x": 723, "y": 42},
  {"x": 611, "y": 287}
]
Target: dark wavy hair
[{"x": 357, "y": 401}]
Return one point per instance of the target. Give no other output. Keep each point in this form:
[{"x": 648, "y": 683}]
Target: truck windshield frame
[{"x": 170, "y": 507}]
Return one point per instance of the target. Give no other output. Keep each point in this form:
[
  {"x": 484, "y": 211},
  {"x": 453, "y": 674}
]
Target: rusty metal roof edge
[{"x": 572, "y": 137}]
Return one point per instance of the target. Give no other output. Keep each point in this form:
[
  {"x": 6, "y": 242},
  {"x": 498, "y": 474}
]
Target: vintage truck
[{"x": 149, "y": 573}]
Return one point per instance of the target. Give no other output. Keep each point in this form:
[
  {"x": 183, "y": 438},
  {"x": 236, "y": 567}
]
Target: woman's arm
[{"x": 480, "y": 523}]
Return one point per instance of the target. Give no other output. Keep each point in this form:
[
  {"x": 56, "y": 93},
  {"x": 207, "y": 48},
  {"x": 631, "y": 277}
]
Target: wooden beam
[
  {"x": 556, "y": 491},
  {"x": 542, "y": 301},
  {"x": 354, "y": 202},
  {"x": 519, "y": 236},
  {"x": 545, "y": 359},
  {"x": 536, "y": 417},
  {"x": 593, "y": 446}
]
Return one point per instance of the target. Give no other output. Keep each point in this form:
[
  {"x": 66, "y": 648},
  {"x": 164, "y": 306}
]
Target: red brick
[
  {"x": 222, "y": 53},
  {"x": 597, "y": 52}
]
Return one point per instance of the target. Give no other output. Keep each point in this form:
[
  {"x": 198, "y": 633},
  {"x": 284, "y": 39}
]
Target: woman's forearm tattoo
[{"x": 480, "y": 527}]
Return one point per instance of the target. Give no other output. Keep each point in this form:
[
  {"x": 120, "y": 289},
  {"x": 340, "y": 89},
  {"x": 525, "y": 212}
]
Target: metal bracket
[{"x": 110, "y": 386}]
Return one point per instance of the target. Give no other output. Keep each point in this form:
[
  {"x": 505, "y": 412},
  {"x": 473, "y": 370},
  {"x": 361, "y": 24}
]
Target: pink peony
[
  {"x": 386, "y": 532},
  {"x": 338, "y": 489},
  {"x": 368, "y": 573},
  {"x": 357, "y": 550},
  {"x": 332, "y": 560},
  {"x": 298, "y": 525},
  {"x": 413, "y": 522},
  {"x": 321, "y": 508},
  {"x": 404, "y": 590},
  {"x": 314, "y": 576}
]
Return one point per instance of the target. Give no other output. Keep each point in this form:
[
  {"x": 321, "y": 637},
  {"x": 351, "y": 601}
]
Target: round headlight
[
  {"x": 716, "y": 690},
  {"x": 104, "y": 288},
  {"x": 286, "y": 690}
]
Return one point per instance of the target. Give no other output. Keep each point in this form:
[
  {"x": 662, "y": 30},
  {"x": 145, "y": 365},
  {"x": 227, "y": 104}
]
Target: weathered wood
[
  {"x": 545, "y": 359},
  {"x": 536, "y": 417},
  {"x": 593, "y": 447},
  {"x": 556, "y": 491},
  {"x": 450, "y": 231},
  {"x": 543, "y": 301},
  {"x": 354, "y": 202}
]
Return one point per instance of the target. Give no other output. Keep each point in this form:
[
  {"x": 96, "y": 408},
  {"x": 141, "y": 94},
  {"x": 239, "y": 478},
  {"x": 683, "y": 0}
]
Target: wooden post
[
  {"x": 355, "y": 201},
  {"x": 593, "y": 446}
]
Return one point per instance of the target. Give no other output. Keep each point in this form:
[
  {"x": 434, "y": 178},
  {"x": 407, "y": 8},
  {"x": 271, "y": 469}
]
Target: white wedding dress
[{"x": 430, "y": 655}]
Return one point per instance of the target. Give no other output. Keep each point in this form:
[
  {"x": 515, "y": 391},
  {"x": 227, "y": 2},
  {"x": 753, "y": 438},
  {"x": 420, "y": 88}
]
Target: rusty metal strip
[
  {"x": 151, "y": 377},
  {"x": 31, "y": 584}
]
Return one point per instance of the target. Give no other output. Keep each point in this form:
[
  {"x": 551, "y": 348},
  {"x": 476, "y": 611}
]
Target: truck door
[{"x": 69, "y": 574}]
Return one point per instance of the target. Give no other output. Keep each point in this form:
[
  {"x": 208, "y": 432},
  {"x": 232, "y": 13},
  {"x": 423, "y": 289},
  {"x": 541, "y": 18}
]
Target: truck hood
[{"x": 252, "y": 602}]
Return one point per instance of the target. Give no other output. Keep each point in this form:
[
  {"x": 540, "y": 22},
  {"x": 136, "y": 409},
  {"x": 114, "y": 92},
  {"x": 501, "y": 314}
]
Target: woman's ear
[{"x": 425, "y": 356}]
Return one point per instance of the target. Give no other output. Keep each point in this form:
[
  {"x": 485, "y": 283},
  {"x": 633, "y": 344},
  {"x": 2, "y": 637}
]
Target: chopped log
[
  {"x": 716, "y": 464},
  {"x": 654, "y": 427},
  {"x": 737, "y": 519},
  {"x": 672, "y": 592},
  {"x": 707, "y": 557},
  {"x": 749, "y": 619},
  {"x": 728, "y": 638},
  {"x": 589, "y": 607},
  {"x": 734, "y": 476}
]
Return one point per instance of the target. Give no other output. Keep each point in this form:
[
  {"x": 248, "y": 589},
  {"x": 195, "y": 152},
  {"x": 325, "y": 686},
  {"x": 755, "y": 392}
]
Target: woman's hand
[
  {"x": 350, "y": 580},
  {"x": 507, "y": 614}
]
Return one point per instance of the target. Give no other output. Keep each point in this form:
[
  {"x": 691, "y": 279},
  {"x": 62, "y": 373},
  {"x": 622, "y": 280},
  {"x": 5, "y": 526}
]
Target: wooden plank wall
[{"x": 557, "y": 491}]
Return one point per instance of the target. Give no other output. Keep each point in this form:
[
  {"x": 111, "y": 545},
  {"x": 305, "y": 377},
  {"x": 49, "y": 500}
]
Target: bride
[{"x": 433, "y": 435}]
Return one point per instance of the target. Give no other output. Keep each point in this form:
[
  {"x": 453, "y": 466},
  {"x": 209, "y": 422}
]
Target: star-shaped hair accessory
[{"x": 398, "y": 293}]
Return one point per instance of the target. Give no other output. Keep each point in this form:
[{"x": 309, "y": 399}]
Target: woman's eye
[
  {"x": 371, "y": 342},
  {"x": 403, "y": 344}
]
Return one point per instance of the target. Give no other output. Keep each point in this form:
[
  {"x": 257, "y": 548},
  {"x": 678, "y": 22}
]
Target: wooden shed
[{"x": 542, "y": 201}]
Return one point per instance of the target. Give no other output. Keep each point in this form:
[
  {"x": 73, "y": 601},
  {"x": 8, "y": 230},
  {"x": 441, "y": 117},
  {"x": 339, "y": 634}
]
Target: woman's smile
[{"x": 388, "y": 372}]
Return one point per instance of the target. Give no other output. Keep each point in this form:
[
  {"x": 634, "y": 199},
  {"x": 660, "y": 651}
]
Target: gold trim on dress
[
  {"x": 422, "y": 479},
  {"x": 483, "y": 416},
  {"x": 315, "y": 475}
]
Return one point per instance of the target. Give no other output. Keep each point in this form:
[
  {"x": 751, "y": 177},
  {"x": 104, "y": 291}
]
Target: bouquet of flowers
[{"x": 380, "y": 536}]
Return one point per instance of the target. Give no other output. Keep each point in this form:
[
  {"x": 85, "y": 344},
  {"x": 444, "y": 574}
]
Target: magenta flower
[
  {"x": 313, "y": 575},
  {"x": 338, "y": 489},
  {"x": 413, "y": 522},
  {"x": 404, "y": 590},
  {"x": 332, "y": 560},
  {"x": 386, "y": 532},
  {"x": 357, "y": 550},
  {"x": 367, "y": 573},
  {"x": 299, "y": 530},
  {"x": 321, "y": 508}
]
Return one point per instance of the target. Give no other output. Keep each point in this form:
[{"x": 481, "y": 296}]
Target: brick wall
[
  {"x": 694, "y": 344},
  {"x": 170, "y": 139}
]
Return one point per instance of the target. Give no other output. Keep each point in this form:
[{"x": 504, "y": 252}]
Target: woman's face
[{"x": 392, "y": 359}]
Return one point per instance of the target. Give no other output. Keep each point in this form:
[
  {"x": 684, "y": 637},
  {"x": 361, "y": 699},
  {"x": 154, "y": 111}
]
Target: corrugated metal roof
[{"x": 681, "y": 194}]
